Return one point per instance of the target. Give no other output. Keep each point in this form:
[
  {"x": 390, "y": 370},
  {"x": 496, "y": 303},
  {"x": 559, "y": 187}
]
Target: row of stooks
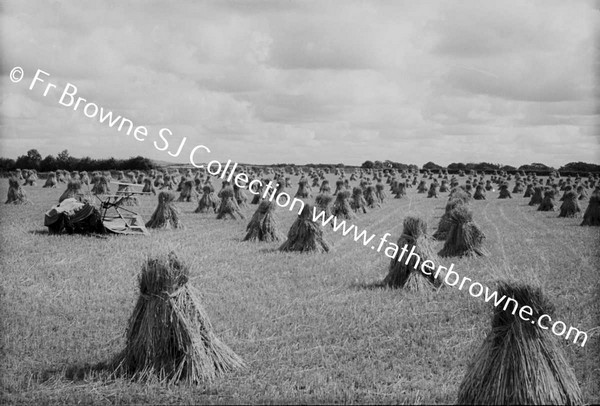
[
  {"x": 156, "y": 179},
  {"x": 518, "y": 363},
  {"x": 170, "y": 339},
  {"x": 160, "y": 177},
  {"x": 192, "y": 183},
  {"x": 541, "y": 196},
  {"x": 306, "y": 235},
  {"x": 229, "y": 200}
]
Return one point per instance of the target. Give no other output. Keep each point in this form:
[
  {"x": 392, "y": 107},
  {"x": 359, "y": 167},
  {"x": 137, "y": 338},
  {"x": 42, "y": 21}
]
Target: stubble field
[{"x": 307, "y": 325}]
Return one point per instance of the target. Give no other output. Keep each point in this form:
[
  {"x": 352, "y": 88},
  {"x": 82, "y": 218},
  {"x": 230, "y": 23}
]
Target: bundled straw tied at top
[
  {"x": 305, "y": 235},
  {"x": 504, "y": 192},
  {"x": 263, "y": 225},
  {"x": 548, "y": 201},
  {"x": 358, "y": 201},
  {"x": 570, "y": 205},
  {"x": 60, "y": 176},
  {"x": 581, "y": 192},
  {"x": 380, "y": 192},
  {"x": 85, "y": 179},
  {"x": 169, "y": 182},
  {"x": 240, "y": 197},
  {"x": 108, "y": 175},
  {"x": 125, "y": 189},
  {"x": 169, "y": 336},
  {"x": 30, "y": 178},
  {"x": 398, "y": 189},
  {"x": 519, "y": 362},
  {"x": 464, "y": 238},
  {"x": 73, "y": 190},
  {"x": 537, "y": 196},
  {"x": 228, "y": 206},
  {"x": 256, "y": 189},
  {"x": 188, "y": 191},
  {"x": 518, "y": 187},
  {"x": 16, "y": 194},
  {"x": 567, "y": 189},
  {"x": 140, "y": 178},
  {"x": 444, "y": 186},
  {"x": 591, "y": 217},
  {"x": 18, "y": 175},
  {"x": 101, "y": 186},
  {"x": 459, "y": 193},
  {"x": 323, "y": 204},
  {"x": 371, "y": 198},
  {"x": 433, "y": 190},
  {"x": 468, "y": 189},
  {"x": 166, "y": 215},
  {"x": 148, "y": 186},
  {"x": 341, "y": 207},
  {"x": 159, "y": 181},
  {"x": 208, "y": 200},
  {"x": 445, "y": 223},
  {"x": 406, "y": 272},
  {"x": 479, "y": 193},
  {"x": 303, "y": 191},
  {"x": 131, "y": 177},
  {"x": 339, "y": 186},
  {"x": 51, "y": 180}
]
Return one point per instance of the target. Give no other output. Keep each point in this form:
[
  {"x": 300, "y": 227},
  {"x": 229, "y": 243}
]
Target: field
[{"x": 308, "y": 326}]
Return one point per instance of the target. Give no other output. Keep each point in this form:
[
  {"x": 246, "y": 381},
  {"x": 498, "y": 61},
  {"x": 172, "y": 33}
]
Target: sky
[{"x": 511, "y": 82}]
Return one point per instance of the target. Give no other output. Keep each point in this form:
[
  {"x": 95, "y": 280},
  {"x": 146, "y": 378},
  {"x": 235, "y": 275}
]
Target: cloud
[{"x": 275, "y": 81}]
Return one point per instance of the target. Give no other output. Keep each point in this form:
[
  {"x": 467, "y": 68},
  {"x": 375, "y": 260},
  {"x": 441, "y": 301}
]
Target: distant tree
[
  {"x": 579, "y": 167},
  {"x": 22, "y": 162},
  {"x": 367, "y": 165},
  {"x": 483, "y": 166},
  {"x": 108, "y": 164},
  {"x": 536, "y": 167},
  {"x": 63, "y": 156},
  {"x": 432, "y": 166},
  {"x": 86, "y": 164},
  {"x": 34, "y": 156},
  {"x": 457, "y": 166},
  {"x": 30, "y": 161},
  {"x": 48, "y": 164},
  {"x": 137, "y": 163},
  {"x": 7, "y": 164},
  {"x": 400, "y": 166},
  {"x": 63, "y": 160}
]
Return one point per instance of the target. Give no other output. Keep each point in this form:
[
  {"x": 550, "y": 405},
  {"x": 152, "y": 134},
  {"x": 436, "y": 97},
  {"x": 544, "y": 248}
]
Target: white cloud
[{"x": 326, "y": 81}]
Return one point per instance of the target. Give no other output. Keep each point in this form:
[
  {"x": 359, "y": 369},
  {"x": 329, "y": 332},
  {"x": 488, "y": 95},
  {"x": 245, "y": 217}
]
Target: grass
[{"x": 306, "y": 326}]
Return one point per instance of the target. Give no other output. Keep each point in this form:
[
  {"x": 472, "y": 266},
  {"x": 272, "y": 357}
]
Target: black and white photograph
[{"x": 300, "y": 202}]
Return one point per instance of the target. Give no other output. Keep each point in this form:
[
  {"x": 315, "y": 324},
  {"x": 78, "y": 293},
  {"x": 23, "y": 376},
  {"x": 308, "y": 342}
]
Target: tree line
[
  {"x": 63, "y": 160},
  {"x": 571, "y": 167},
  {"x": 33, "y": 160}
]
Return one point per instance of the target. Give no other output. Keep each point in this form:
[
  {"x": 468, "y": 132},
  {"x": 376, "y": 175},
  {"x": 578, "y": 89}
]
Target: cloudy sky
[{"x": 510, "y": 82}]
